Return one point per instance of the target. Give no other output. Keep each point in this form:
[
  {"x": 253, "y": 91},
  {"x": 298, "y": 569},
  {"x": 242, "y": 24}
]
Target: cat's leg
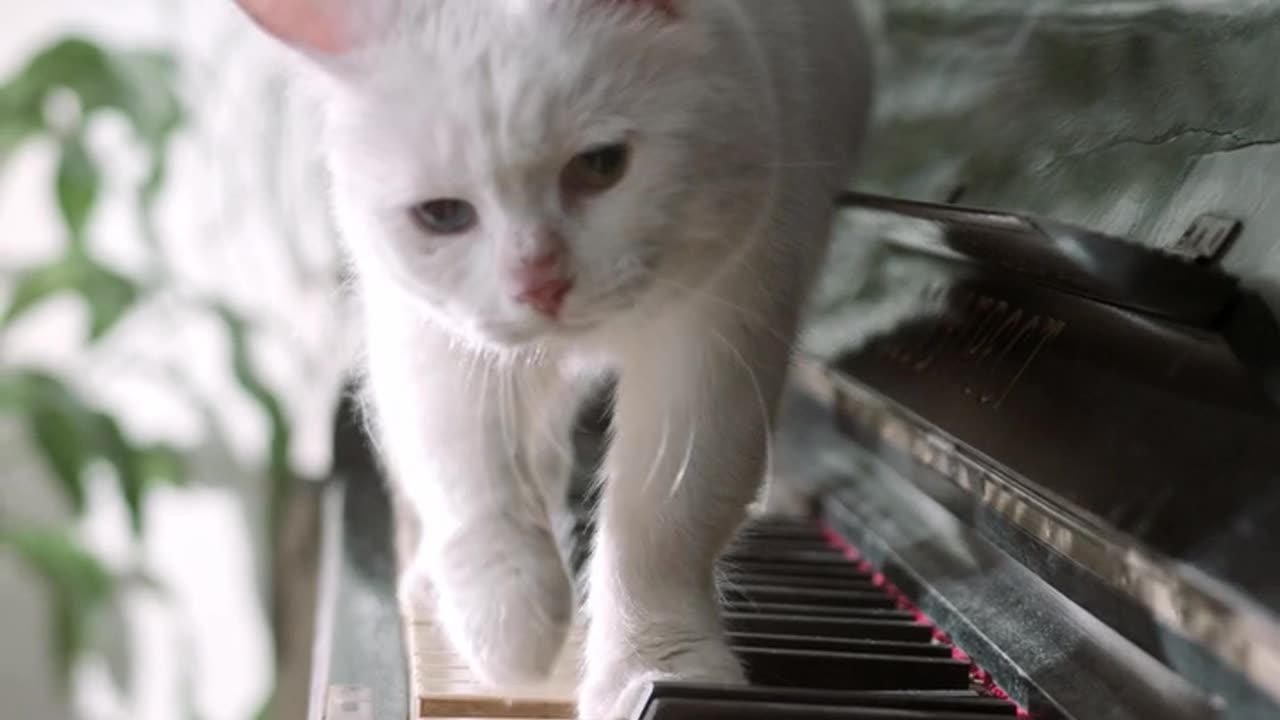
[
  {"x": 549, "y": 410},
  {"x": 692, "y": 418},
  {"x": 458, "y": 432}
]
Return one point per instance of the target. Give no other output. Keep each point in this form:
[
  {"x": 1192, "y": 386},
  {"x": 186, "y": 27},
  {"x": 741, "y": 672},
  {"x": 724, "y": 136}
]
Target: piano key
[
  {"x": 764, "y": 525},
  {"x": 834, "y": 611},
  {"x": 810, "y": 596},
  {"x": 866, "y": 647},
  {"x": 771, "y": 523},
  {"x": 851, "y": 671},
  {"x": 963, "y": 701},
  {"x": 806, "y": 553},
  {"x": 843, "y": 569},
  {"x": 819, "y": 557},
  {"x": 793, "y": 540},
  {"x": 663, "y": 709},
  {"x": 797, "y": 535},
  {"x": 853, "y": 584},
  {"x": 446, "y": 687},
  {"x": 803, "y": 618},
  {"x": 849, "y": 629}
]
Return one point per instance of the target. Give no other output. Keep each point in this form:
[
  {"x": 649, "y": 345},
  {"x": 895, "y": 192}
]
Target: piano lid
[
  {"x": 1067, "y": 372},
  {"x": 1078, "y": 260},
  {"x": 1059, "y": 378}
]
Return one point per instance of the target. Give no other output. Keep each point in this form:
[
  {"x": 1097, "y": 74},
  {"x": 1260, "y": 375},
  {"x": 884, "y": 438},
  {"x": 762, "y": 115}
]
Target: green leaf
[
  {"x": 12, "y": 393},
  {"x": 148, "y": 192},
  {"x": 71, "y": 435},
  {"x": 61, "y": 428},
  {"x": 71, "y": 63},
  {"x": 16, "y": 127},
  {"x": 279, "y": 470},
  {"x": 161, "y": 464},
  {"x": 147, "y": 81},
  {"x": 126, "y": 461},
  {"x": 77, "y": 188},
  {"x": 108, "y": 294},
  {"x": 78, "y": 585},
  {"x": 136, "y": 469},
  {"x": 268, "y": 709},
  {"x": 61, "y": 438},
  {"x": 37, "y": 285},
  {"x": 138, "y": 83}
]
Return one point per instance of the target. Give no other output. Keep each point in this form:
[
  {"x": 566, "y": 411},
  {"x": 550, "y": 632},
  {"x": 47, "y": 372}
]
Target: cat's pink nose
[{"x": 547, "y": 297}]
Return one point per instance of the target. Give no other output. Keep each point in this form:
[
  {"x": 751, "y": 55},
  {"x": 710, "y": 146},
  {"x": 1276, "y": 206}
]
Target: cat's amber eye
[
  {"x": 597, "y": 169},
  {"x": 448, "y": 216}
]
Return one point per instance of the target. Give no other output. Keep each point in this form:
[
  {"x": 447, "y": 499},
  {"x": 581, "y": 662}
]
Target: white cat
[{"x": 535, "y": 193}]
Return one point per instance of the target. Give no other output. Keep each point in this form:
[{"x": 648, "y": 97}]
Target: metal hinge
[
  {"x": 349, "y": 702},
  {"x": 1207, "y": 238}
]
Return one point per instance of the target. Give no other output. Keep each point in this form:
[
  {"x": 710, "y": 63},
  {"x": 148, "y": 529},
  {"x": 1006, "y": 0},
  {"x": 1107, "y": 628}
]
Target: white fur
[{"x": 744, "y": 118}]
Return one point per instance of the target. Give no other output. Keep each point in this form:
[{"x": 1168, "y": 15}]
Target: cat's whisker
[
  {"x": 764, "y": 406},
  {"x": 472, "y": 363},
  {"x": 527, "y": 481},
  {"x": 662, "y": 450},
  {"x": 508, "y": 445},
  {"x": 743, "y": 313},
  {"x": 684, "y": 464}
]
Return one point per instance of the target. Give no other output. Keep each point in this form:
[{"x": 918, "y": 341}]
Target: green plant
[{"x": 55, "y": 98}]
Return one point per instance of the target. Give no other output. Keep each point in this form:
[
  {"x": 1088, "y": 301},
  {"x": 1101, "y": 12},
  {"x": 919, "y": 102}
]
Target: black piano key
[
  {"x": 819, "y": 557},
  {"x": 825, "y": 644},
  {"x": 832, "y": 611},
  {"x": 784, "y": 532},
  {"x": 785, "y": 552},
  {"x": 843, "y": 569},
  {"x": 781, "y": 524},
  {"x": 955, "y": 701},
  {"x": 849, "y": 629},
  {"x": 851, "y": 671},
  {"x": 820, "y": 640},
  {"x": 819, "y": 582},
  {"x": 797, "y": 540},
  {"x": 663, "y": 709},
  {"x": 773, "y": 548},
  {"x": 810, "y": 596}
]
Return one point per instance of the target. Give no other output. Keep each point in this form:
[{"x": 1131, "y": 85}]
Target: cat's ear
[{"x": 323, "y": 28}]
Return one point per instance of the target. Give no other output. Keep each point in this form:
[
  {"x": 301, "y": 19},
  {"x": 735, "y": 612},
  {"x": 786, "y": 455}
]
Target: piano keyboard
[{"x": 820, "y": 634}]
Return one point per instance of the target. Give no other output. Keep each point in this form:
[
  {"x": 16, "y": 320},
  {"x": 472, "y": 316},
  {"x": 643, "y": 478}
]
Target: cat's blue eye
[{"x": 447, "y": 216}]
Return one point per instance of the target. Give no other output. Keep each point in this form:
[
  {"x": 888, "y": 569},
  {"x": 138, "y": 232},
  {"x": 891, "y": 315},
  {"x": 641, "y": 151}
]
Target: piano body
[{"x": 1036, "y": 423}]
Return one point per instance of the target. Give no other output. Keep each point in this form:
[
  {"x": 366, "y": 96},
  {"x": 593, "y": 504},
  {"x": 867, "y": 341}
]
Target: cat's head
[{"x": 525, "y": 169}]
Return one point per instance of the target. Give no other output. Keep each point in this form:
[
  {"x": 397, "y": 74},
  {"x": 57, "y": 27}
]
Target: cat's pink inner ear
[{"x": 318, "y": 26}]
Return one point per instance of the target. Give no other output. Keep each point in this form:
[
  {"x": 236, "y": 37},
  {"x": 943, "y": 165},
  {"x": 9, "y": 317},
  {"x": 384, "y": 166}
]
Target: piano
[{"x": 1031, "y": 445}]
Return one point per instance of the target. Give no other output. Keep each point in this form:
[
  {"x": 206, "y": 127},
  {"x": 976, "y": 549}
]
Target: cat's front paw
[
  {"x": 618, "y": 674},
  {"x": 504, "y": 599}
]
